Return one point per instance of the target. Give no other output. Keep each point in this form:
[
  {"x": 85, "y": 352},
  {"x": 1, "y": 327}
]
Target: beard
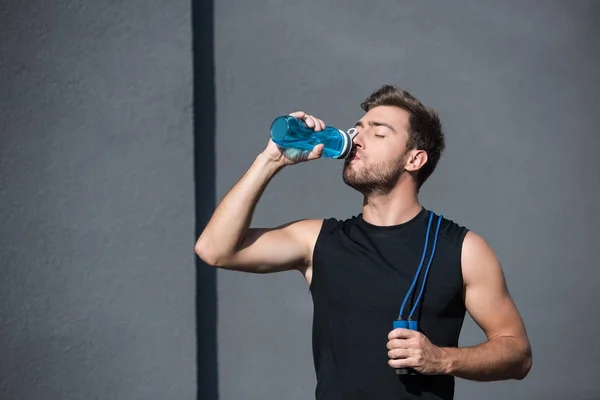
[{"x": 373, "y": 178}]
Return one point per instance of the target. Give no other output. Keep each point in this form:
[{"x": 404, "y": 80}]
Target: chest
[{"x": 373, "y": 275}]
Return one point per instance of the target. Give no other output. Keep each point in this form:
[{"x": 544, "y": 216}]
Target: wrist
[
  {"x": 446, "y": 361},
  {"x": 266, "y": 162}
]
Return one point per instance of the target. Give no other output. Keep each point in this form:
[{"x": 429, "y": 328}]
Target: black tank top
[{"x": 361, "y": 274}]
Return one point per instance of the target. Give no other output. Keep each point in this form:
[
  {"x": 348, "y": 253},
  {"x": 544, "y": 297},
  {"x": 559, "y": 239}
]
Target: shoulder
[
  {"x": 333, "y": 229},
  {"x": 471, "y": 243},
  {"x": 311, "y": 229},
  {"x": 476, "y": 247},
  {"x": 453, "y": 232},
  {"x": 479, "y": 260},
  {"x": 473, "y": 246},
  {"x": 333, "y": 226},
  {"x": 305, "y": 230}
]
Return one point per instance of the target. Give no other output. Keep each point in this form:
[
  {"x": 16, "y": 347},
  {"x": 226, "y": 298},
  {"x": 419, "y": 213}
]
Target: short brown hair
[{"x": 425, "y": 128}]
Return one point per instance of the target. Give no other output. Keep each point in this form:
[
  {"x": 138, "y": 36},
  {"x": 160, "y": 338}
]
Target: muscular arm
[
  {"x": 507, "y": 353},
  {"x": 227, "y": 241}
]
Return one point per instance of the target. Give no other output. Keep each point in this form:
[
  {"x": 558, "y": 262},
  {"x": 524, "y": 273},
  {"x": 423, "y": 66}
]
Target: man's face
[{"x": 379, "y": 150}]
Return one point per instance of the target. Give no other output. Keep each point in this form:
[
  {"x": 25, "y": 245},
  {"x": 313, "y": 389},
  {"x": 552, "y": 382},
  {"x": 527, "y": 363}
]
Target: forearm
[
  {"x": 499, "y": 358},
  {"x": 232, "y": 217}
]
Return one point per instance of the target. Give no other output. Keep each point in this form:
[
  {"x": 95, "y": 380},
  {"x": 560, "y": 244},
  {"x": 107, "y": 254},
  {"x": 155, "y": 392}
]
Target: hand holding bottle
[{"x": 292, "y": 155}]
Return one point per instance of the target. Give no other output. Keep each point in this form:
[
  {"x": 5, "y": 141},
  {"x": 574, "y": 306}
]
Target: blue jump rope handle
[{"x": 412, "y": 325}]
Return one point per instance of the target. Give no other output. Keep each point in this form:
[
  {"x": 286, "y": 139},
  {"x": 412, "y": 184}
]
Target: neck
[{"x": 395, "y": 207}]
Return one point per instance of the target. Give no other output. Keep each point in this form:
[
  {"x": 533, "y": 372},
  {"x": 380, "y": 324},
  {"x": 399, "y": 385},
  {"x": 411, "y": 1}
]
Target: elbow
[
  {"x": 207, "y": 255},
  {"x": 524, "y": 364}
]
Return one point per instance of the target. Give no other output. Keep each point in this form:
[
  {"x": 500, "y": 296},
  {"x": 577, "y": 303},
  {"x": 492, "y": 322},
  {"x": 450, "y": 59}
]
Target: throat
[{"x": 385, "y": 212}]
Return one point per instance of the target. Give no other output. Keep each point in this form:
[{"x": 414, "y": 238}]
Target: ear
[{"x": 415, "y": 160}]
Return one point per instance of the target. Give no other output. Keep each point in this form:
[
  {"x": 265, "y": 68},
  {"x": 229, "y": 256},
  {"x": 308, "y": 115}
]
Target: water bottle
[{"x": 291, "y": 133}]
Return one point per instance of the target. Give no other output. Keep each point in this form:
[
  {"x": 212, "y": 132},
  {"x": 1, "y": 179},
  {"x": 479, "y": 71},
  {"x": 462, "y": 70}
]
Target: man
[{"x": 369, "y": 270}]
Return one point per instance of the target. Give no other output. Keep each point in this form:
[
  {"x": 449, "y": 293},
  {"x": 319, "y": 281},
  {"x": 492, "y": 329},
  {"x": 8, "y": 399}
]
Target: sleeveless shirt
[{"x": 361, "y": 274}]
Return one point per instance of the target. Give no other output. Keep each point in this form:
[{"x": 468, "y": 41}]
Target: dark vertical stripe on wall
[{"x": 204, "y": 156}]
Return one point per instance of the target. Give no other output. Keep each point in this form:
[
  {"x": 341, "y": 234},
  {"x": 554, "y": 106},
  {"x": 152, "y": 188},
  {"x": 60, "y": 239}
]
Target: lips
[{"x": 353, "y": 155}]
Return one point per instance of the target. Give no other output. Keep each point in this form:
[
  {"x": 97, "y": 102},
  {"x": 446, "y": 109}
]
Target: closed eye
[{"x": 380, "y": 136}]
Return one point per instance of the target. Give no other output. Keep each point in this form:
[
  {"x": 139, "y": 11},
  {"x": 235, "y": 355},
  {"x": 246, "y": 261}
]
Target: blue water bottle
[{"x": 291, "y": 133}]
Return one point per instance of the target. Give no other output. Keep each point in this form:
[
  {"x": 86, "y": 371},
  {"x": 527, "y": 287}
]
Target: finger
[
  {"x": 398, "y": 344},
  {"x": 402, "y": 333},
  {"x": 401, "y": 363},
  {"x": 317, "y": 152},
  {"x": 399, "y": 353},
  {"x": 322, "y": 123},
  {"x": 298, "y": 114},
  {"x": 310, "y": 122},
  {"x": 319, "y": 125}
]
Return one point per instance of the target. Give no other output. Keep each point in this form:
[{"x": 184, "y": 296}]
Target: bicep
[
  {"x": 265, "y": 250},
  {"x": 487, "y": 298}
]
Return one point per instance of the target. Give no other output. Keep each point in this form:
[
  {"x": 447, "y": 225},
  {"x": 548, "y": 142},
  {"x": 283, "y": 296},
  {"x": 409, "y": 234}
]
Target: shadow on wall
[{"x": 204, "y": 177}]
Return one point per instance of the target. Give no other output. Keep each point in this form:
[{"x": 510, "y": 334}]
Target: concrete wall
[
  {"x": 96, "y": 201},
  {"x": 102, "y": 168},
  {"x": 517, "y": 87}
]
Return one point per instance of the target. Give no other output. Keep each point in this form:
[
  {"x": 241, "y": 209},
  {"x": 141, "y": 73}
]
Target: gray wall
[
  {"x": 97, "y": 192},
  {"x": 96, "y": 201},
  {"x": 517, "y": 86}
]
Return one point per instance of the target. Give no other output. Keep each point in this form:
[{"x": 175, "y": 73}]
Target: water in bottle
[{"x": 291, "y": 133}]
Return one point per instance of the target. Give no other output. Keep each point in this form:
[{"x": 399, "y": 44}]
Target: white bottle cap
[{"x": 347, "y": 146}]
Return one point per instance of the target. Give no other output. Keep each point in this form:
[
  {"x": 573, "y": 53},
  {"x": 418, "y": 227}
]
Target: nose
[{"x": 357, "y": 138}]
